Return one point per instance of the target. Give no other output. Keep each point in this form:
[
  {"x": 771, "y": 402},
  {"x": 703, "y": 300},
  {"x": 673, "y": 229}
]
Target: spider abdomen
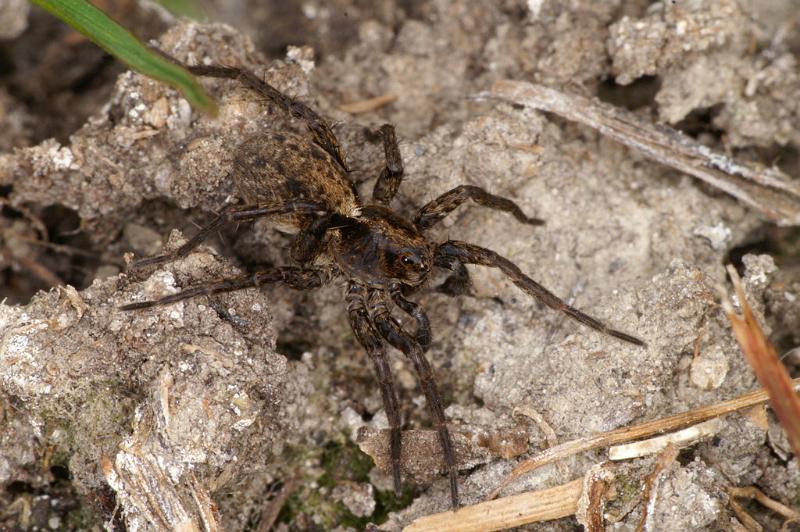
[{"x": 277, "y": 167}]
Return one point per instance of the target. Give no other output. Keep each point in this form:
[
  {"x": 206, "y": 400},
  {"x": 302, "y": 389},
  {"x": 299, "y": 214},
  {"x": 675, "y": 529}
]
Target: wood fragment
[
  {"x": 370, "y": 104},
  {"x": 766, "y": 364},
  {"x": 643, "y": 430},
  {"x": 597, "y": 490},
  {"x": 767, "y": 190},
  {"x": 517, "y": 510}
]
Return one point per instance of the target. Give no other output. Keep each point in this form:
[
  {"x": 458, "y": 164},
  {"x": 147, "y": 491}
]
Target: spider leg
[
  {"x": 423, "y": 334},
  {"x": 371, "y": 341},
  {"x": 299, "y": 278},
  {"x": 458, "y": 283},
  {"x": 408, "y": 345},
  {"x": 322, "y": 132},
  {"x": 471, "y": 254},
  {"x": 392, "y": 174},
  {"x": 226, "y": 216},
  {"x": 435, "y": 210}
]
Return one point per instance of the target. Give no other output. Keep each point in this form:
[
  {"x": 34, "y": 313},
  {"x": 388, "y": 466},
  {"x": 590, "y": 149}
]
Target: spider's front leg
[
  {"x": 466, "y": 253},
  {"x": 371, "y": 341},
  {"x": 434, "y": 211},
  {"x": 401, "y": 340},
  {"x": 392, "y": 175},
  {"x": 423, "y": 333}
]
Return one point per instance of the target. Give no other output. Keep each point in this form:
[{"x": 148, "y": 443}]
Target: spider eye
[{"x": 408, "y": 260}]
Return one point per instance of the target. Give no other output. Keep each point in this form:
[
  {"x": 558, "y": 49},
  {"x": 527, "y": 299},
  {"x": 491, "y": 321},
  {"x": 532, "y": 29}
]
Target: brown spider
[{"x": 302, "y": 184}]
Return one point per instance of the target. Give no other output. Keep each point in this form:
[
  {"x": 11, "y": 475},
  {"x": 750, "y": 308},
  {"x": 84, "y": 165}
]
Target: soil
[{"x": 213, "y": 405}]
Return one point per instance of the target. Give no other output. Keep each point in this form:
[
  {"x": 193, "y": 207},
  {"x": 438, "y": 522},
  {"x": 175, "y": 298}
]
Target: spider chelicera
[{"x": 301, "y": 184}]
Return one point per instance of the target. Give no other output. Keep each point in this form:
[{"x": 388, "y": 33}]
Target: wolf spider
[{"x": 301, "y": 183}]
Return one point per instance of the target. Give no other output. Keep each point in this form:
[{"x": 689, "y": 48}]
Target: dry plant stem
[
  {"x": 745, "y": 518},
  {"x": 681, "y": 438},
  {"x": 597, "y": 490},
  {"x": 368, "y": 105},
  {"x": 543, "y": 505},
  {"x": 751, "y": 492},
  {"x": 644, "y": 430},
  {"x": 788, "y": 523},
  {"x": 769, "y": 369},
  {"x": 273, "y": 508},
  {"x": 766, "y": 189},
  {"x": 665, "y": 459},
  {"x": 549, "y": 433}
]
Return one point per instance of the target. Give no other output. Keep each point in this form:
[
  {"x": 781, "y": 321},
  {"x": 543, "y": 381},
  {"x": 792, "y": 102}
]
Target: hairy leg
[
  {"x": 391, "y": 331},
  {"x": 434, "y": 211},
  {"x": 423, "y": 333},
  {"x": 392, "y": 174},
  {"x": 471, "y": 254},
  {"x": 369, "y": 338},
  {"x": 316, "y": 124},
  {"x": 456, "y": 284},
  {"x": 299, "y": 278},
  {"x": 229, "y": 215}
]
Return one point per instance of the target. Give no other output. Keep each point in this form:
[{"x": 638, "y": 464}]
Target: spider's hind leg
[
  {"x": 323, "y": 134},
  {"x": 299, "y": 278},
  {"x": 227, "y": 215}
]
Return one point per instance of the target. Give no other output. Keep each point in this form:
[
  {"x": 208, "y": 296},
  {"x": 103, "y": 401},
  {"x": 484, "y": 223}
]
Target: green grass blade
[
  {"x": 185, "y": 8},
  {"x": 119, "y": 42}
]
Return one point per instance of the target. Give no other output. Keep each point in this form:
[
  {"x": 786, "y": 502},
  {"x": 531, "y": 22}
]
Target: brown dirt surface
[{"x": 212, "y": 405}]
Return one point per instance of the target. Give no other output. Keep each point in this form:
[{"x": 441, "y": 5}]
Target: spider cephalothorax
[{"x": 301, "y": 184}]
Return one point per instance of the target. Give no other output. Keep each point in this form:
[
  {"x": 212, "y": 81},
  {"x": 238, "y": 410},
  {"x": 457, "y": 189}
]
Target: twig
[
  {"x": 766, "y": 189},
  {"x": 665, "y": 459},
  {"x": 273, "y": 509},
  {"x": 751, "y": 492},
  {"x": 370, "y": 104},
  {"x": 644, "y": 430},
  {"x": 517, "y": 510}
]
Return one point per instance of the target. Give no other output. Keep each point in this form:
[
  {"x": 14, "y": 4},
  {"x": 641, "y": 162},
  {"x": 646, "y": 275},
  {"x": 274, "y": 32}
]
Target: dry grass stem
[
  {"x": 766, "y": 364},
  {"x": 644, "y": 430},
  {"x": 681, "y": 438},
  {"x": 766, "y": 189},
  {"x": 544, "y": 426},
  {"x": 517, "y": 510}
]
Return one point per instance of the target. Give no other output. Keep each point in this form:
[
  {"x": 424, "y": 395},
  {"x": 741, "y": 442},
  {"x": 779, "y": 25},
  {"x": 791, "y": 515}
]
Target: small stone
[
  {"x": 709, "y": 369},
  {"x": 358, "y": 497}
]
